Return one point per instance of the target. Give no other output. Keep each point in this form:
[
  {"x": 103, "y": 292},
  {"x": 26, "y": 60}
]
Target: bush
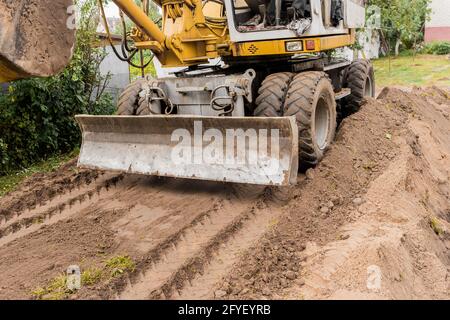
[
  {"x": 37, "y": 115},
  {"x": 37, "y": 119},
  {"x": 3, "y": 153},
  {"x": 438, "y": 48}
]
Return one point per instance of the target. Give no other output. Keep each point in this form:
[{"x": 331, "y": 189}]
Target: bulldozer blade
[{"x": 261, "y": 151}]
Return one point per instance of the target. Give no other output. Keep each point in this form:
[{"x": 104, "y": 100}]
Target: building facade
[{"x": 438, "y": 28}]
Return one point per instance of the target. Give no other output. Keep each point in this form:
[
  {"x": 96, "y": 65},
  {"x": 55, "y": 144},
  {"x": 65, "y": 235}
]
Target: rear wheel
[
  {"x": 134, "y": 100},
  {"x": 359, "y": 77},
  {"x": 271, "y": 95},
  {"x": 269, "y": 103},
  {"x": 311, "y": 100},
  {"x": 129, "y": 98}
]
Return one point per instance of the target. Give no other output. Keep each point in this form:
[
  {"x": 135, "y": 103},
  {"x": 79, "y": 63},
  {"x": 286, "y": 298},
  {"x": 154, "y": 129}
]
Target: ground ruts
[{"x": 380, "y": 197}]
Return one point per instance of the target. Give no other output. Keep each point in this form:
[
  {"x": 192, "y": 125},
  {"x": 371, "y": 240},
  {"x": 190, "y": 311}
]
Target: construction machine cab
[{"x": 282, "y": 19}]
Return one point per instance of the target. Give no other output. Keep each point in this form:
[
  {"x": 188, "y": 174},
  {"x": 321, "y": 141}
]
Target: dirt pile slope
[{"x": 371, "y": 221}]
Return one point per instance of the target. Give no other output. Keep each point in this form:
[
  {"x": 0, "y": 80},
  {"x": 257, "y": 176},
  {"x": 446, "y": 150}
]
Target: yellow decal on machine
[{"x": 290, "y": 46}]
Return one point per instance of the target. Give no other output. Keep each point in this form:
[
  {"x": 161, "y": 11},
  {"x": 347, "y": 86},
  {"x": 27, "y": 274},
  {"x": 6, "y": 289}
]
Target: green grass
[
  {"x": 436, "y": 226},
  {"x": 56, "y": 288},
  {"x": 119, "y": 265},
  {"x": 406, "y": 70},
  {"x": 10, "y": 181},
  {"x": 91, "y": 276}
]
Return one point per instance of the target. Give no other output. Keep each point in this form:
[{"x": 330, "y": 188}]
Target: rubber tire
[
  {"x": 128, "y": 102},
  {"x": 269, "y": 103},
  {"x": 272, "y": 93},
  {"x": 355, "y": 78},
  {"x": 143, "y": 107},
  {"x": 306, "y": 90}
]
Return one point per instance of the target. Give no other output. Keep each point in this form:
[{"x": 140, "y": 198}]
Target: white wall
[
  {"x": 119, "y": 71},
  {"x": 440, "y": 15}
]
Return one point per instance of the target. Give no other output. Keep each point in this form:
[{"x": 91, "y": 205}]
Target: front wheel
[
  {"x": 311, "y": 100},
  {"x": 359, "y": 78}
]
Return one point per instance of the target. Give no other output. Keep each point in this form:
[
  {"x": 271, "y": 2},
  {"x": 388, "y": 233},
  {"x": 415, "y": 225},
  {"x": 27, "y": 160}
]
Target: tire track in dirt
[
  {"x": 190, "y": 242},
  {"x": 145, "y": 215},
  {"x": 189, "y": 255},
  {"x": 56, "y": 210},
  {"x": 64, "y": 199},
  {"x": 60, "y": 199},
  {"x": 223, "y": 255},
  {"x": 40, "y": 188}
]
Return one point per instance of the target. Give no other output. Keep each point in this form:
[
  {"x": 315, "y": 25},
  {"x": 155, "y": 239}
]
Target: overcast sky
[{"x": 111, "y": 10}]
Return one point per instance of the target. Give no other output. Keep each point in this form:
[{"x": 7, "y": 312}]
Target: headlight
[{"x": 294, "y": 46}]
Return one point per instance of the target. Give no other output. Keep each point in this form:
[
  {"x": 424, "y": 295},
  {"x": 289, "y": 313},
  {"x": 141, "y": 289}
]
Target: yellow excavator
[{"x": 256, "y": 94}]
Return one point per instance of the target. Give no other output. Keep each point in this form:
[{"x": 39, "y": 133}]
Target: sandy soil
[{"x": 371, "y": 221}]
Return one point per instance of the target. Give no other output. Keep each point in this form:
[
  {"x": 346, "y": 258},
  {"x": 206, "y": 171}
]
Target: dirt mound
[
  {"x": 379, "y": 204},
  {"x": 371, "y": 221}
]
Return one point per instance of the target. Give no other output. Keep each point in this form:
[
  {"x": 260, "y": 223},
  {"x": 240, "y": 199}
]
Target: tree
[
  {"x": 402, "y": 21},
  {"x": 88, "y": 55}
]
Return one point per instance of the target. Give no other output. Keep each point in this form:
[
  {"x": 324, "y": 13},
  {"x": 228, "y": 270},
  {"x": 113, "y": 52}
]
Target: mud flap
[{"x": 250, "y": 150}]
